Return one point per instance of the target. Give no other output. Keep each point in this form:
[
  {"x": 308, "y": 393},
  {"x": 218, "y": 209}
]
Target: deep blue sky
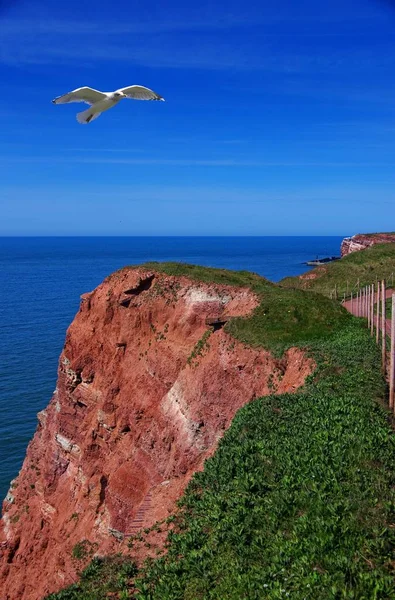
[{"x": 279, "y": 118}]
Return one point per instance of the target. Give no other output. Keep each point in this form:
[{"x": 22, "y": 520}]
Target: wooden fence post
[
  {"x": 368, "y": 304},
  {"x": 378, "y": 313},
  {"x": 383, "y": 336},
  {"x": 351, "y": 304},
  {"x": 392, "y": 356},
  {"x": 372, "y": 309}
]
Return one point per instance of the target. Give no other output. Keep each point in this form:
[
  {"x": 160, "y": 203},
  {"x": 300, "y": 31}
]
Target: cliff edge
[
  {"x": 364, "y": 240},
  {"x": 148, "y": 381}
]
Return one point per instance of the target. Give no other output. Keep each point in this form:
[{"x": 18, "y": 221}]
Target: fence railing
[
  {"x": 351, "y": 288},
  {"x": 370, "y": 302}
]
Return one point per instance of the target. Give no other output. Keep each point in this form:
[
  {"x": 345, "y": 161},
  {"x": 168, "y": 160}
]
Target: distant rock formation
[
  {"x": 148, "y": 381},
  {"x": 365, "y": 240}
]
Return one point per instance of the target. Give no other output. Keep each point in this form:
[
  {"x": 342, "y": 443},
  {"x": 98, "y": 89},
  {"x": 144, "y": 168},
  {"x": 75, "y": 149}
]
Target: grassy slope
[
  {"x": 299, "y": 499},
  {"x": 365, "y": 266},
  {"x": 284, "y": 317}
]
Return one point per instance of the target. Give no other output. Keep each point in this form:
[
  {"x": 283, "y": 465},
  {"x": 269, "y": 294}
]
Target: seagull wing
[
  {"x": 139, "y": 92},
  {"x": 82, "y": 94}
]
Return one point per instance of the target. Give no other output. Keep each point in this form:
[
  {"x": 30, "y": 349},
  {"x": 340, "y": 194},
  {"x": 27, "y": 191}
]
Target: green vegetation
[
  {"x": 83, "y": 549},
  {"x": 102, "y": 577},
  {"x": 377, "y": 262},
  {"x": 208, "y": 274},
  {"x": 299, "y": 499},
  {"x": 287, "y": 318},
  {"x": 283, "y": 318},
  {"x": 199, "y": 348}
]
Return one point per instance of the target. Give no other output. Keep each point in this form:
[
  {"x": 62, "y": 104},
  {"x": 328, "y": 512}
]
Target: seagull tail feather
[{"x": 87, "y": 116}]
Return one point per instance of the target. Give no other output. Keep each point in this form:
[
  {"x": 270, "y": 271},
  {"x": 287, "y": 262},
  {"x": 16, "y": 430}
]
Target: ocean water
[{"x": 41, "y": 280}]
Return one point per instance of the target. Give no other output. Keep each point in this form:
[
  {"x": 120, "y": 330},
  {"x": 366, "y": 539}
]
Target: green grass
[
  {"x": 204, "y": 274},
  {"x": 287, "y": 318},
  {"x": 299, "y": 499},
  {"x": 103, "y": 576},
  {"x": 366, "y": 266},
  {"x": 284, "y": 317},
  {"x": 388, "y": 309}
]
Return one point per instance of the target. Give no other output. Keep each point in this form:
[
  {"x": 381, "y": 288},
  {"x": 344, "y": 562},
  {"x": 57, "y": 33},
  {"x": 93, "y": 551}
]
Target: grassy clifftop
[
  {"x": 299, "y": 499},
  {"x": 284, "y": 317},
  {"x": 365, "y": 267}
]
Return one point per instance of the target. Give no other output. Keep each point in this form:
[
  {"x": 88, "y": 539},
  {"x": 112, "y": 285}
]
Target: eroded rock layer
[
  {"x": 146, "y": 387},
  {"x": 361, "y": 241}
]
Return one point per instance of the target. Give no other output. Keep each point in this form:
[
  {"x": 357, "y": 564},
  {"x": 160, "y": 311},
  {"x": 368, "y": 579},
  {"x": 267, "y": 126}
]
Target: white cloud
[
  {"x": 189, "y": 162},
  {"x": 188, "y": 43}
]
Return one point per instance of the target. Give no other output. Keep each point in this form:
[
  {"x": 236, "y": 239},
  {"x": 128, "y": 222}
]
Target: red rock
[
  {"x": 135, "y": 413},
  {"x": 362, "y": 241}
]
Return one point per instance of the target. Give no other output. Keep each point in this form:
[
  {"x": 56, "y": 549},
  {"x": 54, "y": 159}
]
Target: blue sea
[{"x": 41, "y": 280}]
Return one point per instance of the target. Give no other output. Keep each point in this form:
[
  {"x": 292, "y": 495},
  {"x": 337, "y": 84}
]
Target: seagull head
[{"x": 119, "y": 95}]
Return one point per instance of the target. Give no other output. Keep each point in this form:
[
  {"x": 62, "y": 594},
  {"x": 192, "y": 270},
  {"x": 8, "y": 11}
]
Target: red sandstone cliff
[
  {"x": 130, "y": 421},
  {"x": 365, "y": 240}
]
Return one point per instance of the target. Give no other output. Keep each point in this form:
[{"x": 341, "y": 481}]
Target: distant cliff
[
  {"x": 365, "y": 240},
  {"x": 146, "y": 387}
]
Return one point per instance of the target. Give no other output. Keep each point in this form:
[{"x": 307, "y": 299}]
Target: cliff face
[
  {"x": 142, "y": 398},
  {"x": 362, "y": 241}
]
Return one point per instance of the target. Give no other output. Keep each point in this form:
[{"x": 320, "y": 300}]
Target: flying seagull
[{"x": 101, "y": 101}]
